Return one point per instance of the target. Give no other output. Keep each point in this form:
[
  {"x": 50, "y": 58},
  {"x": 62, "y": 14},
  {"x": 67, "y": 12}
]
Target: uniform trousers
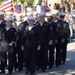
[
  {"x": 30, "y": 54},
  {"x": 42, "y": 57}
]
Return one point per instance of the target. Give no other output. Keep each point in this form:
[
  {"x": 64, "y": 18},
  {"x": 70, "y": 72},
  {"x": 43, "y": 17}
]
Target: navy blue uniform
[
  {"x": 4, "y": 60},
  {"x": 18, "y": 50},
  {"x": 30, "y": 42},
  {"x": 56, "y": 43},
  {"x": 44, "y": 38},
  {"x": 65, "y": 35},
  {"x": 9, "y": 36},
  {"x": 51, "y": 48}
]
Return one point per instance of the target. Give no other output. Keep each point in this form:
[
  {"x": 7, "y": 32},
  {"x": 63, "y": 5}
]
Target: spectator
[
  {"x": 46, "y": 7},
  {"x": 43, "y": 8},
  {"x": 38, "y": 8}
]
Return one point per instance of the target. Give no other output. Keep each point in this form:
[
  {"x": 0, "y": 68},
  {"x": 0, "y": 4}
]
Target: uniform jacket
[
  {"x": 9, "y": 35},
  {"x": 20, "y": 30},
  {"x": 30, "y": 37},
  {"x": 64, "y": 31},
  {"x": 45, "y": 33},
  {"x": 61, "y": 29},
  {"x": 2, "y": 24},
  {"x": 55, "y": 30}
]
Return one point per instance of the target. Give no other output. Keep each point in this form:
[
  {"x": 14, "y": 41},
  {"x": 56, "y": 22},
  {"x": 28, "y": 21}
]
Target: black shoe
[
  {"x": 15, "y": 69},
  {"x": 50, "y": 67},
  {"x": 9, "y": 72},
  {"x": 27, "y": 71},
  {"x": 57, "y": 66},
  {"x": 32, "y": 73},
  {"x": 63, "y": 62},
  {"x": 37, "y": 68},
  {"x": 43, "y": 70},
  {"x": 19, "y": 70},
  {"x": 60, "y": 64},
  {"x": 2, "y": 71}
]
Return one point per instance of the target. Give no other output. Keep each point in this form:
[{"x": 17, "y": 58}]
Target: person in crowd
[
  {"x": 19, "y": 19},
  {"x": 49, "y": 7},
  {"x": 49, "y": 17},
  {"x": 2, "y": 21},
  {"x": 38, "y": 8},
  {"x": 65, "y": 36},
  {"x": 44, "y": 37},
  {"x": 43, "y": 8},
  {"x": 8, "y": 33},
  {"x": 20, "y": 28},
  {"x": 9, "y": 14},
  {"x": 56, "y": 23},
  {"x": 3, "y": 61},
  {"x": 17, "y": 52},
  {"x": 46, "y": 7},
  {"x": 51, "y": 44},
  {"x": 30, "y": 43}
]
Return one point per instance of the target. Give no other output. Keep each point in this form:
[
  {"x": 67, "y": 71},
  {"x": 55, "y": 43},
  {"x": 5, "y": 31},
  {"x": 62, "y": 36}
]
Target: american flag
[
  {"x": 6, "y": 5},
  {"x": 16, "y": 9}
]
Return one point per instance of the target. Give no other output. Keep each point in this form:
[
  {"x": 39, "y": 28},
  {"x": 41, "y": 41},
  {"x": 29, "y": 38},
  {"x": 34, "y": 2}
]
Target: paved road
[{"x": 67, "y": 69}]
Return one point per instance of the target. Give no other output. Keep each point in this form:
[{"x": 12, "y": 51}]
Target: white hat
[
  {"x": 9, "y": 19},
  {"x": 31, "y": 18},
  {"x": 29, "y": 13},
  {"x": 49, "y": 14},
  {"x": 55, "y": 12},
  {"x": 35, "y": 13},
  {"x": 9, "y": 13},
  {"x": 41, "y": 14},
  {"x": 18, "y": 14},
  {"x": 1, "y": 13},
  {"x": 29, "y": 9}
]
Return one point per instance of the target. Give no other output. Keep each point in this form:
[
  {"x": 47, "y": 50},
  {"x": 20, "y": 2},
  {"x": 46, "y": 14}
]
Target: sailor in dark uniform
[
  {"x": 56, "y": 23},
  {"x": 51, "y": 44},
  {"x": 3, "y": 61},
  {"x": 8, "y": 34},
  {"x": 20, "y": 29},
  {"x": 30, "y": 42},
  {"x": 65, "y": 36},
  {"x": 20, "y": 52},
  {"x": 2, "y": 21},
  {"x": 44, "y": 37}
]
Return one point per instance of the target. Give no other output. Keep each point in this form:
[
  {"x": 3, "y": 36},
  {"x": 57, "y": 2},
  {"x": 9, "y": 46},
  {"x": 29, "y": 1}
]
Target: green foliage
[
  {"x": 22, "y": 1},
  {"x": 14, "y": 1},
  {"x": 30, "y": 2},
  {"x": 0, "y": 1},
  {"x": 40, "y": 1}
]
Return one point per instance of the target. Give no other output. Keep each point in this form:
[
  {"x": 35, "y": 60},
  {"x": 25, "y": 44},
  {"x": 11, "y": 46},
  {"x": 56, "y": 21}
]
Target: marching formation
[{"x": 32, "y": 43}]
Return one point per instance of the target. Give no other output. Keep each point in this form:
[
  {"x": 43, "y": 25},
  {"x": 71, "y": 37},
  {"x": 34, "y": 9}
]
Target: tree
[
  {"x": 14, "y": 1},
  {"x": 0, "y": 1},
  {"x": 22, "y": 1},
  {"x": 30, "y": 2}
]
